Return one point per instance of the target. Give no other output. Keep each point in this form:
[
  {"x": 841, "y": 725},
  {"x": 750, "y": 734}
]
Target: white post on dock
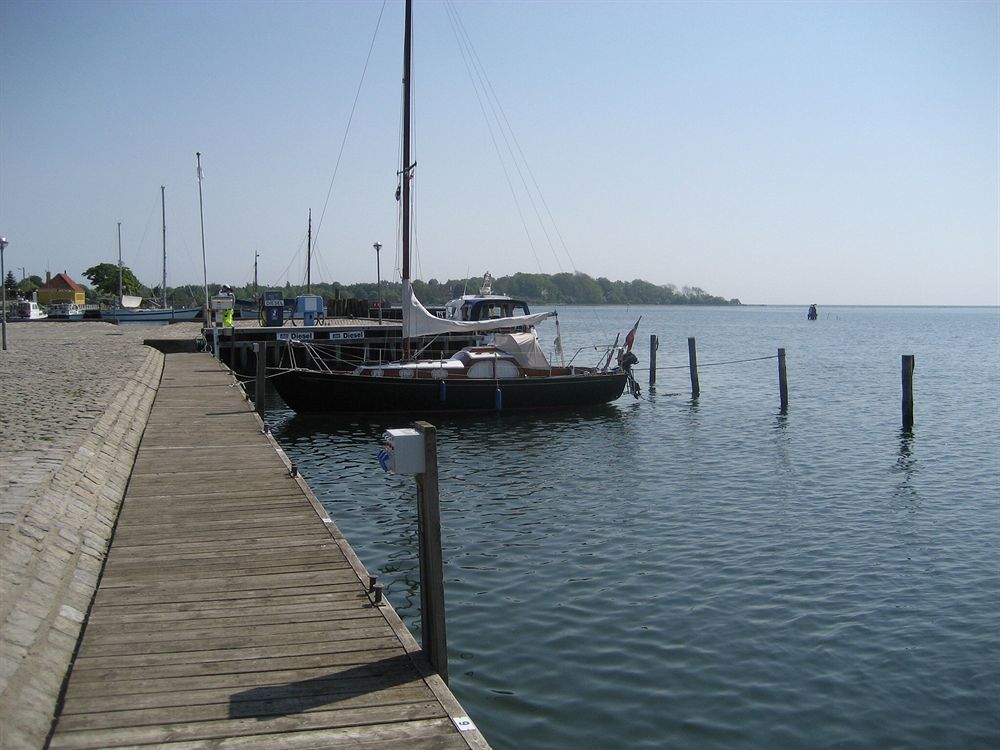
[
  {"x": 414, "y": 451},
  {"x": 435, "y": 638}
]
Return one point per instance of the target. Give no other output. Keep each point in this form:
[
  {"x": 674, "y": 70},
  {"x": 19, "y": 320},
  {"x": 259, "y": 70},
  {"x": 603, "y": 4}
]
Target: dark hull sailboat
[
  {"x": 510, "y": 373},
  {"x": 313, "y": 391}
]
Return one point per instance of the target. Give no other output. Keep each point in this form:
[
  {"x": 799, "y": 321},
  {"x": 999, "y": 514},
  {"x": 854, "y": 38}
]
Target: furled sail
[{"x": 418, "y": 321}]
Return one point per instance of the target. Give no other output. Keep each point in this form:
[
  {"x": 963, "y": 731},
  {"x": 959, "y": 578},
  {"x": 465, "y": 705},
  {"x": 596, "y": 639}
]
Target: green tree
[
  {"x": 29, "y": 286},
  {"x": 104, "y": 277},
  {"x": 11, "y": 283}
]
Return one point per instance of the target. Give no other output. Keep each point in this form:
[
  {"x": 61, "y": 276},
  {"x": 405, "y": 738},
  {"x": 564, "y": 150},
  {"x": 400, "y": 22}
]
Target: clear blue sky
[{"x": 779, "y": 152}]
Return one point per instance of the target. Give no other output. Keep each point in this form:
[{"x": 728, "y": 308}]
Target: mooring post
[
  {"x": 260, "y": 348},
  {"x": 782, "y": 381},
  {"x": 908, "y": 365},
  {"x": 693, "y": 362},
  {"x": 434, "y": 634},
  {"x": 654, "y": 344}
]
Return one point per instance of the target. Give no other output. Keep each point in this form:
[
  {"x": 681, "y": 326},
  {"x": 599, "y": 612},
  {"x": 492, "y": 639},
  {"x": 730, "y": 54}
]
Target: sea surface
[{"x": 711, "y": 573}]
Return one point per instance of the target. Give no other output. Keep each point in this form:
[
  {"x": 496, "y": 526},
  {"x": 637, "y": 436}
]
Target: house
[{"x": 60, "y": 288}]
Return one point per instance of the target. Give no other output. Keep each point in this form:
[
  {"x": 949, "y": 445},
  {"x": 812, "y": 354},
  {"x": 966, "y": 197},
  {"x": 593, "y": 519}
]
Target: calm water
[{"x": 712, "y": 574}]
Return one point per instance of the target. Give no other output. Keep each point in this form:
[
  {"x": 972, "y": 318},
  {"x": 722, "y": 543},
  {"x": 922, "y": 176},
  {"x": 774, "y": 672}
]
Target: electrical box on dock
[
  {"x": 310, "y": 307},
  {"x": 403, "y": 452}
]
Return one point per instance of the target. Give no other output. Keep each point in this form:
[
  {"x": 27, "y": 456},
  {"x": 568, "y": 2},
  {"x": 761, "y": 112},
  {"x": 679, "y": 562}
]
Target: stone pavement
[{"x": 74, "y": 400}]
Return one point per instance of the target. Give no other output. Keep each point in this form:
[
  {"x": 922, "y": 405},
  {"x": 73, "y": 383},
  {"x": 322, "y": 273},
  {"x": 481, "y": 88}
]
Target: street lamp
[
  {"x": 3, "y": 309},
  {"x": 378, "y": 274}
]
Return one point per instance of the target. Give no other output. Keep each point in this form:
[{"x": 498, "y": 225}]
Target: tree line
[{"x": 535, "y": 288}]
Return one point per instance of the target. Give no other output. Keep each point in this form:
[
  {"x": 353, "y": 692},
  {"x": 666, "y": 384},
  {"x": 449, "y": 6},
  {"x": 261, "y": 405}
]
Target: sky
[{"x": 776, "y": 152}]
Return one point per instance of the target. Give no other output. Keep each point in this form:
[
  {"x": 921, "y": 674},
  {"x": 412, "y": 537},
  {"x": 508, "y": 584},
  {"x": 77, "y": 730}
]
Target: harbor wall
[{"x": 74, "y": 401}]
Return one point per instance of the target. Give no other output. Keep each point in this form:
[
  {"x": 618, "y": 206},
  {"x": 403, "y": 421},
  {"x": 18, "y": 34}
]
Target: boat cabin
[
  {"x": 475, "y": 307},
  {"x": 485, "y": 305}
]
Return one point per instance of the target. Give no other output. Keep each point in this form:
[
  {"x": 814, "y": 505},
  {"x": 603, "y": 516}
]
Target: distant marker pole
[{"x": 908, "y": 364}]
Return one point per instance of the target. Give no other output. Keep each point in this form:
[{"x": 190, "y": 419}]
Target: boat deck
[{"x": 232, "y": 613}]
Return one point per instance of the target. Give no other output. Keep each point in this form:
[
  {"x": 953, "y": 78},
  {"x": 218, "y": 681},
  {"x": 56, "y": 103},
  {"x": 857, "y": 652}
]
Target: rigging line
[
  {"x": 285, "y": 273},
  {"x": 135, "y": 269},
  {"x": 538, "y": 189},
  {"x": 716, "y": 364},
  {"x": 506, "y": 129},
  {"x": 350, "y": 119},
  {"x": 489, "y": 127}
]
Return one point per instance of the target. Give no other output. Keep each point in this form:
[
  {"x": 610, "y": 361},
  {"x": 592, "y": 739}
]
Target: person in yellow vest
[{"x": 227, "y": 315}]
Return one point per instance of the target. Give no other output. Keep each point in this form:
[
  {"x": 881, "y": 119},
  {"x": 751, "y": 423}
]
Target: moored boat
[
  {"x": 508, "y": 371},
  {"x": 128, "y": 309},
  {"x": 24, "y": 309},
  {"x": 65, "y": 311}
]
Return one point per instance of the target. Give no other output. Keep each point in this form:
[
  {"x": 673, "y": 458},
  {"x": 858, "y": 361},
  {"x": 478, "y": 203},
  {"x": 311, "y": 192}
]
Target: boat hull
[
  {"x": 309, "y": 391},
  {"x": 151, "y": 316}
]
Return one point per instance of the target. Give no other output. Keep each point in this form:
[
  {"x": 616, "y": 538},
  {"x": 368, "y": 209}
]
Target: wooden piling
[
  {"x": 260, "y": 348},
  {"x": 782, "y": 381},
  {"x": 654, "y": 344},
  {"x": 908, "y": 364},
  {"x": 693, "y": 363},
  {"x": 433, "y": 631}
]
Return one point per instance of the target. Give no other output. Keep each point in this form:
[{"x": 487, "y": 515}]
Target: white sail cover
[
  {"x": 524, "y": 348},
  {"x": 130, "y": 301},
  {"x": 418, "y": 321}
]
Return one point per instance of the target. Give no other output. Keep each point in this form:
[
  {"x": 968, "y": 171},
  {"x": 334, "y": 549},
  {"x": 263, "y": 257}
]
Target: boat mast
[
  {"x": 201, "y": 214},
  {"x": 309, "y": 241},
  {"x": 256, "y": 254},
  {"x": 407, "y": 55},
  {"x": 163, "y": 213},
  {"x": 119, "y": 263}
]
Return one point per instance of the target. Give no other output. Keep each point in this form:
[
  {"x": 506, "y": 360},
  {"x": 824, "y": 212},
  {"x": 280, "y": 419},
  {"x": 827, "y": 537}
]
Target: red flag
[{"x": 630, "y": 339}]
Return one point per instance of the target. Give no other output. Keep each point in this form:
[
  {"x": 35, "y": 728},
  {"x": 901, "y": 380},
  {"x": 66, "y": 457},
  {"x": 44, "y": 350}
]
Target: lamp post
[
  {"x": 3, "y": 309},
  {"x": 378, "y": 274}
]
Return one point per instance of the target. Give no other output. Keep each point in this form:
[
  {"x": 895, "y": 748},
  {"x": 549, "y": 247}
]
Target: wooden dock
[{"x": 232, "y": 613}]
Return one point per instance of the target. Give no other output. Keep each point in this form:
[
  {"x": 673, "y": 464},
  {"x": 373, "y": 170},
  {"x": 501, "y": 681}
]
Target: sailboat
[
  {"x": 508, "y": 371},
  {"x": 128, "y": 310}
]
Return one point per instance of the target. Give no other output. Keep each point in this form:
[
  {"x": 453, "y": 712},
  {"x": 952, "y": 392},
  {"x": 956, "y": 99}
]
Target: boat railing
[{"x": 603, "y": 350}]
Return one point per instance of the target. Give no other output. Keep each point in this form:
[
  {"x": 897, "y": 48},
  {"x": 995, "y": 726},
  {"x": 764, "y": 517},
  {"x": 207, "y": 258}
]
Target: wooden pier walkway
[{"x": 232, "y": 613}]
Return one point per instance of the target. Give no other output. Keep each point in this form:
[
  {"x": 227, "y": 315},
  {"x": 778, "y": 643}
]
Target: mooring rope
[{"x": 710, "y": 364}]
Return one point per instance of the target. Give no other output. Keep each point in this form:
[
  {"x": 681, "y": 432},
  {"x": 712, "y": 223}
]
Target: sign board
[
  {"x": 294, "y": 335},
  {"x": 346, "y": 335},
  {"x": 222, "y": 302}
]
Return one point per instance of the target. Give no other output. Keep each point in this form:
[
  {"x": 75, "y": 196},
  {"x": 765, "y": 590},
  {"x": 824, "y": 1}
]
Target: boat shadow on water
[{"x": 293, "y": 428}]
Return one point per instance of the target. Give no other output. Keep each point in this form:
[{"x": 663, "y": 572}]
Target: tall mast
[
  {"x": 407, "y": 54},
  {"x": 163, "y": 213},
  {"x": 309, "y": 242},
  {"x": 119, "y": 263},
  {"x": 201, "y": 213},
  {"x": 256, "y": 254}
]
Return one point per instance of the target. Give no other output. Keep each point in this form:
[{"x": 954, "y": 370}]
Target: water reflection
[
  {"x": 760, "y": 562},
  {"x": 906, "y": 468}
]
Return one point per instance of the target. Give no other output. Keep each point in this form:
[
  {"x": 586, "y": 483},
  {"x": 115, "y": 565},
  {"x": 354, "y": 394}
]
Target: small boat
[
  {"x": 24, "y": 309},
  {"x": 64, "y": 310},
  {"x": 812, "y": 314},
  {"x": 507, "y": 371}
]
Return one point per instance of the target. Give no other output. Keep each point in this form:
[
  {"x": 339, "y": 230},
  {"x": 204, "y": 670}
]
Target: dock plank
[{"x": 231, "y": 613}]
